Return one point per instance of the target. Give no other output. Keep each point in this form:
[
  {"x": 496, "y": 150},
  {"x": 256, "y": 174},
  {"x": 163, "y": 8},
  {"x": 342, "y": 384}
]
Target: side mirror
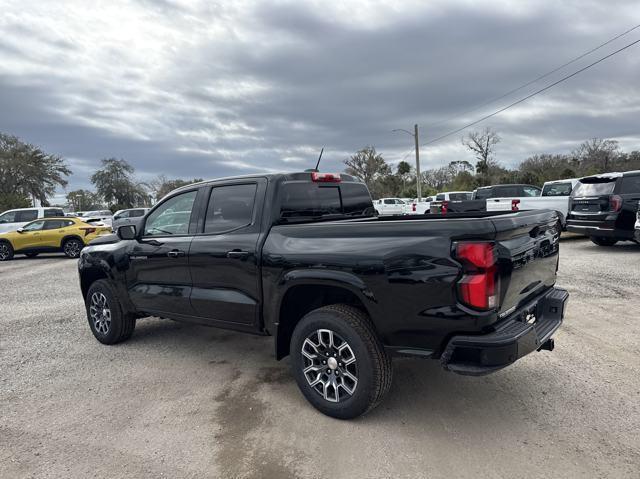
[
  {"x": 127, "y": 232},
  {"x": 20, "y": 230}
]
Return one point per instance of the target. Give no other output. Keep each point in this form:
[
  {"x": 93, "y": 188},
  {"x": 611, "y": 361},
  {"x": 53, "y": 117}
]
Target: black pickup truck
[{"x": 302, "y": 257}]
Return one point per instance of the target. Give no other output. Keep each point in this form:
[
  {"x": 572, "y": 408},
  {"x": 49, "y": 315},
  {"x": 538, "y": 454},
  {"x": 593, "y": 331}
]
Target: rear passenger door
[
  {"x": 224, "y": 255},
  {"x": 52, "y": 233}
]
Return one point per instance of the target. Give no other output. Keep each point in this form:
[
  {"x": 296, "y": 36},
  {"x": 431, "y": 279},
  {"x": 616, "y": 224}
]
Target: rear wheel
[
  {"x": 31, "y": 255},
  {"x": 72, "y": 247},
  {"x": 108, "y": 320},
  {"x": 338, "y": 362},
  {"x": 602, "y": 241},
  {"x": 6, "y": 251}
]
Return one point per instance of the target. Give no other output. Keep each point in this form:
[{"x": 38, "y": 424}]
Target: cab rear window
[{"x": 304, "y": 199}]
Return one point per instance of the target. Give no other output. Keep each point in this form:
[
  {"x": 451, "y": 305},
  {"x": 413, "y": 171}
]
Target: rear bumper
[
  {"x": 605, "y": 228},
  {"x": 512, "y": 339}
]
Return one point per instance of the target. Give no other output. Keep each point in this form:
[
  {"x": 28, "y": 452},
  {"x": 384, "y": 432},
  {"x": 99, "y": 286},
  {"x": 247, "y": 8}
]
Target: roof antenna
[{"x": 319, "y": 158}]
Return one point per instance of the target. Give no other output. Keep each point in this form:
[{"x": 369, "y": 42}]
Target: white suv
[{"x": 11, "y": 220}]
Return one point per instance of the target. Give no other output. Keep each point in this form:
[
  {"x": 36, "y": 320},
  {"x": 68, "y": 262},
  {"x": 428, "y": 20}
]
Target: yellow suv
[{"x": 47, "y": 235}]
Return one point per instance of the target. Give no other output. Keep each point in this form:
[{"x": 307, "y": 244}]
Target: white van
[{"x": 11, "y": 220}]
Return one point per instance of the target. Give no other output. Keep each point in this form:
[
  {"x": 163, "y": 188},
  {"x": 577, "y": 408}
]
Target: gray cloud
[{"x": 217, "y": 89}]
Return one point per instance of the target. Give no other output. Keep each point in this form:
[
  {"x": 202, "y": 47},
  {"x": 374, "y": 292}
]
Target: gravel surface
[{"x": 187, "y": 401}]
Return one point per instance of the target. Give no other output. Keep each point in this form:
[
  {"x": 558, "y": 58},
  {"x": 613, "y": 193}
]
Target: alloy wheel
[
  {"x": 100, "y": 313},
  {"x": 4, "y": 251},
  {"x": 72, "y": 249},
  {"x": 329, "y": 365}
]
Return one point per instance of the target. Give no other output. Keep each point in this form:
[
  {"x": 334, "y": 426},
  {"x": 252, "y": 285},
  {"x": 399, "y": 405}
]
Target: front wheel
[
  {"x": 338, "y": 362},
  {"x": 108, "y": 320},
  {"x": 72, "y": 247},
  {"x": 601, "y": 241}
]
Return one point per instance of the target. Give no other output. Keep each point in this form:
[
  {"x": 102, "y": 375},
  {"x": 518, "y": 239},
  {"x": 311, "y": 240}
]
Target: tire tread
[{"x": 361, "y": 323}]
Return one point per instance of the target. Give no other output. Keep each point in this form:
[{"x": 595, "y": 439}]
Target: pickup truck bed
[{"x": 340, "y": 290}]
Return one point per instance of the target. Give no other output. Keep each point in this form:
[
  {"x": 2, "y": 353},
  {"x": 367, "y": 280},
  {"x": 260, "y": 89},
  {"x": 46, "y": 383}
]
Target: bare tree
[
  {"x": 368, "y": 165},
  {"x": 482, "y": 144},
  {"x": 597, "y": 155}
]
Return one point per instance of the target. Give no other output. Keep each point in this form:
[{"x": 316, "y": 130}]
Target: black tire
[
  {"x": 72, "y": 247},
  {"x": 602, "y": 241},
  {"x": 119, "y": 326},
  {"x": 31, "y": 255},
  {"x": 6, "y": 251},
  {"x": 371, "y": 366}
]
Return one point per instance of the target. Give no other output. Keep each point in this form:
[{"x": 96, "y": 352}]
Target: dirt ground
[{"x": 186, "y": 401}]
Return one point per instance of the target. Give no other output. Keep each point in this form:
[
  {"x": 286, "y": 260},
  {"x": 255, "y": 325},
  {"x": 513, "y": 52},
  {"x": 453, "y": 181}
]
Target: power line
[
  {"x": 458, "y": 130},
  {"x": 535, "y": 80}
]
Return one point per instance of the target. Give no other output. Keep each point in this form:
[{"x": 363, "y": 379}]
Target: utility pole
[
  {"x": 415, "y": 137},
  {"x": 418, "y": 179}
]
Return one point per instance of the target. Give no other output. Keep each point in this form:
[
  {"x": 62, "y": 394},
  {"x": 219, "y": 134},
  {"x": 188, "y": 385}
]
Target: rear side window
[
  {"x": 557, "y": 189},
  {"x": 53, "y": 224},
  {"x": 136, "y": 213},
  {"x": 594, "y": 188},
  {"x": 439, "y": 197},
  {"x": 230, "y": 207},
  {"x": 630, "y": 184},
  {"x": 387, "y": 202},
  {"x": 530, "y": 191},
  {"x": 26, "y": 215}
]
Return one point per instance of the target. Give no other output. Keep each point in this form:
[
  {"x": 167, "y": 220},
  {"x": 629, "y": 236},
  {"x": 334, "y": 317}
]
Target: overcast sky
[{"x": 210, "y": 89}]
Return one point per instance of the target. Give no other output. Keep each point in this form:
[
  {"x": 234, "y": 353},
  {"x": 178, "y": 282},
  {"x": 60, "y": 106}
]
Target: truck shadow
[{"x": 421, "y": 391}]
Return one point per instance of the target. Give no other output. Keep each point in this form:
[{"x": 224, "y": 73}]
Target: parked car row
[
  {"x": 603, "y": 207},
  {"x": 31, "y": 231},
  {"x": 48, "y": 235}
]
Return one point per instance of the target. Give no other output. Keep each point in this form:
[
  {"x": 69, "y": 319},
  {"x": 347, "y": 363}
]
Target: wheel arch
[
  {"x": 308, "y": 293},
  {"x": 68, "y": 237}
]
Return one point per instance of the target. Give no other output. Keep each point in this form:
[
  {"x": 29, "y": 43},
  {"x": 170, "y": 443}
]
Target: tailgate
[
  {"x": 499, "y": 204},
  {"x": 527, "y": 255},
  {"x": 594, "y": 208}
]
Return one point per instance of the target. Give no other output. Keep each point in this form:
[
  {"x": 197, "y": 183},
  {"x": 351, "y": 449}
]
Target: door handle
[
  {"x": 175, "y": 253},
  {"x": 238, "y": 254}
]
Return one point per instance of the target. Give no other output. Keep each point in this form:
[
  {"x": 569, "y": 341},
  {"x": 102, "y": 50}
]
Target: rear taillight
[
  {"x": 413, "y": 207},
  {"x": 479, "y": 286},
  {"x": 444, "y": 207},
  {"x": 515, "y": 205},
  {"x": 615, "y": 203},
  {"x": 88, "y": 231},
  {"x": 325, "y": 177}
]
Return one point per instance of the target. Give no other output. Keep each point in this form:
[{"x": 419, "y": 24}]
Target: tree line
[
  {"x": 482, "y": 168},
  {"x": 29, "y": 176}
]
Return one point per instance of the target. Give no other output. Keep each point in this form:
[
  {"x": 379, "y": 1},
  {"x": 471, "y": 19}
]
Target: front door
[
  {"x": 158, "y": 277},
  {"x": 29, "y": 237},
  {"x": 224, "y": 256}
]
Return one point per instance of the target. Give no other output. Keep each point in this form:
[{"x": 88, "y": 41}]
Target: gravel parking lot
[{"x": 186, "y": 401}]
